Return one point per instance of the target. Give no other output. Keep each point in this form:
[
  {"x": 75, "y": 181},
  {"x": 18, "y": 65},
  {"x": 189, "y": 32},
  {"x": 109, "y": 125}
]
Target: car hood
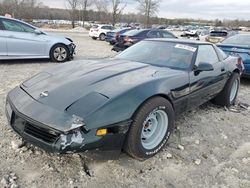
[
  {"x": 63, "y": 85},
  {"x": 58, "y": 37}
]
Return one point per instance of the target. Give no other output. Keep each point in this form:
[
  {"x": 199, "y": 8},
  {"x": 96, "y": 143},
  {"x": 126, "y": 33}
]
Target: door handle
[{"x": 222, "y": 69}]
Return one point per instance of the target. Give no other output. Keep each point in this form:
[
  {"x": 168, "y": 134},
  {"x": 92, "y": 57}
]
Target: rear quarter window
[
  {"x": 222, "y": 55},
  {"x": 206, "y": 54}
]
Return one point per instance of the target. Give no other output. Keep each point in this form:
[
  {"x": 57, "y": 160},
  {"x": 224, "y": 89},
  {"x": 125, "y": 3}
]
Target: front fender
[{"x": 123, "y": 107}]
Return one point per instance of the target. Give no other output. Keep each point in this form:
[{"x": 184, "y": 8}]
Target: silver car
[{"x": 20, "y": 40}]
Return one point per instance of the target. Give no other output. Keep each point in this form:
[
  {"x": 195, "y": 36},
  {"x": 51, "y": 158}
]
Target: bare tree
[
  {"x": 13, "y": 6},
  {"x": 102, "y": 8},
  {"x": 117, "y": 8},
  {"x": 72, "y": 6},
  {"x": 148, "y": 8},
  {"x": 84, "y": 4}
]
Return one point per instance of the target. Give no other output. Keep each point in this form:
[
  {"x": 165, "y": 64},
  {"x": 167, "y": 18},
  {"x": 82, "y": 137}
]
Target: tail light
[
  {"x": 240, "y": 65},
  {"x": 117, "y": 34},
  {"x": 96, "y": 30},
  {"x": 239, "y": 62},
  {"x": 127, "y": 39}
]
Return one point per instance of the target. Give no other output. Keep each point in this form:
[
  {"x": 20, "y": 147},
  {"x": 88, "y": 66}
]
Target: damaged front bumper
[
  {"x": 72, "y": 48},
  {"x": 32, "y": 121}
]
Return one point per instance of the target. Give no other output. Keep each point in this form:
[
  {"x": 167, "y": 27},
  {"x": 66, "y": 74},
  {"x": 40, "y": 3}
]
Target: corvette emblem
[{"x": 44, "y": 94}]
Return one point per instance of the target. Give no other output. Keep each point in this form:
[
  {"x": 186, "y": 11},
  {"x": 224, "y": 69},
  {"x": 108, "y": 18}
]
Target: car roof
[
  {"x": 242, "y": 34},
  {"x": 219, "y": 31},
  {"x": 103, "y": 24},
  {"x": 184, "y": 41}
]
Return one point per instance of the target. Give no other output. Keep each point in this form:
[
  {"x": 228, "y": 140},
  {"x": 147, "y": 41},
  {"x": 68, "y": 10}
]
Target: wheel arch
[
  {"x": 236, "y": 71},
  {"x": 58, "y": 43},
  {"x": 151, "y": 97}
]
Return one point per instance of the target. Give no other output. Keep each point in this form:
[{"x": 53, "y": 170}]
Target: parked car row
[
  {"x": 230, "y": 42},
  {"x": 125, "y": 37},
  {"x": 20, "y": 40}
]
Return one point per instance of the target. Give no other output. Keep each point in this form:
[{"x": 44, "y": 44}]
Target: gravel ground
[{"x": 211, "y": 147}]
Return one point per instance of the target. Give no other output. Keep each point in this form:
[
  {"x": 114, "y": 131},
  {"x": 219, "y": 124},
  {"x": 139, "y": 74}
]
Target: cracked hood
[{"x": 63, "y": 85}]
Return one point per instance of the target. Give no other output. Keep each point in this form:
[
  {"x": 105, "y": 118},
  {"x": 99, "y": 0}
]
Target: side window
[
  {"x": 154, "y": 34},
  {"x": 106, "y": 27},
  {"x": 11, "y": 25},
  {"x": 1, "y": 25},
  {"x": 111, "y": 28},
  {"x": 206, "y": 53}
]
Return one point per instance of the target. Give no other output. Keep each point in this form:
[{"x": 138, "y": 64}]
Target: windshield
[
  {"x": 160, "y": 53},
  {"x": 238, "y": 39},
  {"x": 218, "y": 34}
]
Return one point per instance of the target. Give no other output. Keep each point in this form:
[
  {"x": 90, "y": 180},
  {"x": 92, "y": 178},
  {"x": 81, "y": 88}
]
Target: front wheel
[
  {"x": 151, "y": 128},
  {"x": 102, "y": 37},
  {"x": 59, "y": 53},
  {"x": 228, "y": 95}
]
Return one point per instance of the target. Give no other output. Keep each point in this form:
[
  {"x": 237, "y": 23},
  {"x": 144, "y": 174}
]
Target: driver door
[
  {"x": 3, "y": 43},
  {"x": 205, "y": 85},
  {"x": 22, "y": 41}
]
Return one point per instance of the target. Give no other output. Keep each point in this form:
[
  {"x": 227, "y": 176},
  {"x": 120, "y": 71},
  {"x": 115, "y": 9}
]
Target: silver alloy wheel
[
  {"x": 234, "y": 90},
  {"x": 154, "y": 129},
  {"x": 60, "y": 54},
  {"x": 102, "y": 37}
]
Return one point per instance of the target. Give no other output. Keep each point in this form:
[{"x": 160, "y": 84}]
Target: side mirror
[
  {"x": 38, "y": 32},
  {"x": 203, "y": 66}
]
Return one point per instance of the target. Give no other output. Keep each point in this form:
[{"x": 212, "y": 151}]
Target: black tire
[
  {"x": 223, "y": 98},
  {"x": 94, "y": 38},
  {"x": 102, "y": 36},
  {"x": 133, "y": 145},
  {"x": 64, "y": 56}
]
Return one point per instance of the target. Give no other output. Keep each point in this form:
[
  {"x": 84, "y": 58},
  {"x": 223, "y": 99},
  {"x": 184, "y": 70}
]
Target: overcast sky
[{"x": 206, "y": 9}]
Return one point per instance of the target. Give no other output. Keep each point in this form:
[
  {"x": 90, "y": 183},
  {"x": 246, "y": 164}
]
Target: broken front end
[{"x": 60, "y": 132}]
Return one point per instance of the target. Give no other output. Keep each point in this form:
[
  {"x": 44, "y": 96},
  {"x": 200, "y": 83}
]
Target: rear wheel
[
  {"x": 102, "y": 36},
  {"x": 151, "y": 128},
  {"x": 228, "y": 95},
  {"x": 59, "y": 53}
]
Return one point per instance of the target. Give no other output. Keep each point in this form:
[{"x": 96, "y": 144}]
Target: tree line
[{"x": 105, "y": 11}]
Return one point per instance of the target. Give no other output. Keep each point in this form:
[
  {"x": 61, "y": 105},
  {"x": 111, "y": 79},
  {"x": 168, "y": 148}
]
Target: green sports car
[{"x": 128, "y": 102}]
